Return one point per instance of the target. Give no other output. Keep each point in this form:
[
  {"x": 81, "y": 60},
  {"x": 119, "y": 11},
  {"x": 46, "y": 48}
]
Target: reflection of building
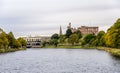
[
  {"x": 84, "y": 29},
  {"x": 35, "y": 41}
]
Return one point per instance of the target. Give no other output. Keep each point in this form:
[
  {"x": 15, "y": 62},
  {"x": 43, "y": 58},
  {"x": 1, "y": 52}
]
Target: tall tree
[
  {"x": 62, "y": 39},
  {"x": 78, "y": 33},
  {"x": 1, "y": 43},
  {"x": 4, "y": 40},
  {"x": 55, "y": 36},
  {"x": 22, "y": 42},
  {"x": 112, "y": 37},
  {"x": 11, "y": 39},
  {"x": 100, "y": 39},
  {"x": 88, "y": 39},
  {"x": 73, "y": 39},
  {"x": 16, "y": 44},
  {"x": 68, "y": 33},
  {"x": 54, "y": 42},
  {"x": 54, "y": 39}
]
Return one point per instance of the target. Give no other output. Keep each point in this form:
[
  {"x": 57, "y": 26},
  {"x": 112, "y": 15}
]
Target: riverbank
[
  {"x": 10, "y": 50},
  {"x": 70, "y": 47},
  {"x": 112, "y": 51}
]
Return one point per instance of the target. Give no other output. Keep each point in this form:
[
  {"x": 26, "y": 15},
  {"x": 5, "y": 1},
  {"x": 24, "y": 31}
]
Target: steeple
[{"x": 60, "y": 31}]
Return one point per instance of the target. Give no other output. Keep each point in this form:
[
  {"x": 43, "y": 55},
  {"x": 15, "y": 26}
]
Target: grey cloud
[{"x": 46, "y": 15}]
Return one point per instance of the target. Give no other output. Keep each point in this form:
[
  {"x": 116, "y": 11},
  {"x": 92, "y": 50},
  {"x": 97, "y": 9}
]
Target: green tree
[
  {"x": 54, "y": 39},
  {"x": 55, "y": 36},
  {"x": 1, "y": 43},
  {"x": 11, "y": 39},
  {"x": 79, "y": 34},
  {"x": 112, "y": 37},
  {"x": 100, "y": 38},
  {"x": 73, "y": 39},
  {"x": 68, "y": 33},
  {"x": 16, "y": 44},
  {"x": 62, "y": 39},
  {"x": 4, "y": 40},
  {"x": 44, "y": 43},
  {"x": 22, "y": 42},
  {"x": 54, "y": 42},
  {"x": 88, "y": 39}
]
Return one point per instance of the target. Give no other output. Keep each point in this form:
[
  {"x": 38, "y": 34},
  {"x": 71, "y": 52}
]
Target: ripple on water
[{"x": 59, "y": 61}]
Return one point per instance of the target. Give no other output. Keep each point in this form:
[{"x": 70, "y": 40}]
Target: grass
[
  {"x": 112, "y": 51},
  {"x": 10, "y": 50},
  {"x": 115, "y": 52},
  {"x": 69, "y": 47}
]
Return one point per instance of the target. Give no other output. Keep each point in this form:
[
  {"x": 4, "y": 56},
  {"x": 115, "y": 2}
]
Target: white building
[{"x": 35, "y": 41}]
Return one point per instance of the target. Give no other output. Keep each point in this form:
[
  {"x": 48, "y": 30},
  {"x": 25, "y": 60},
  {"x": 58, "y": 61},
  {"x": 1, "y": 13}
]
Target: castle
[{"x": 84, "y": 29}]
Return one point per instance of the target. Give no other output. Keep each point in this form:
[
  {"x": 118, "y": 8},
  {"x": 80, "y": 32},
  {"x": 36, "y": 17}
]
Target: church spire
[{"x": 60, "y": 31}]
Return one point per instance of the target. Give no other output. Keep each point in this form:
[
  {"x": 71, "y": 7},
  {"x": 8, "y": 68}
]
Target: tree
[
  {"x": 99, "y": 40},
  {"x": 54, "y": 39},
  {"x": 79, "y": 34},
  {"x": 88, "y": 39},
  {"x": 73, "y": 39},
  {"x": 55, "y": 36},
  {"x": 22, "y": 42},
  {"x": 4, "y": 41},
  {"x": 1, "y": 43},
  {"x": 11, "y": 39},
  {"x": 54, "y": 42},
  {"x": 44, "y": 43},
  {"x": 68, "y": 33},
  {"x": 16, "y": 44},
  {"x": 112, "y": 37},
  {"x": 62, "y": 39}
]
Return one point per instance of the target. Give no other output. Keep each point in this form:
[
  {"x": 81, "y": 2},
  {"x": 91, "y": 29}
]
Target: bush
[{"x": 2, "y": 50}]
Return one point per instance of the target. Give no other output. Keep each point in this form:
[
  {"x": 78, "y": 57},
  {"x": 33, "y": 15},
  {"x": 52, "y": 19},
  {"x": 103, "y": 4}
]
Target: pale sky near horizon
[{"x": 44, "y": 17}]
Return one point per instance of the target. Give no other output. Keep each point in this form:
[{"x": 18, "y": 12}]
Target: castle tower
[
  {"x": 60, "y": 31},
  {"x": 69, "y": 26}
]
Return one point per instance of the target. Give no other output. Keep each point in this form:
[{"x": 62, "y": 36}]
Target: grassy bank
[
  {"x": 115, "y": 52},
  {"x": 112, "y": 51},
  {"x": 70, "y": 47},
  {"x": 10, "y": 50}
]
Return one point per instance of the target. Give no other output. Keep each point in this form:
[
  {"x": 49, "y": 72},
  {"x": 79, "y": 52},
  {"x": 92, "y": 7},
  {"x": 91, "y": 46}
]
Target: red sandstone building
[{"x": 84, "y": 29}]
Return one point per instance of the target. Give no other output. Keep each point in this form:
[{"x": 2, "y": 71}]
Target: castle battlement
[{"x": 85, "y": 29}]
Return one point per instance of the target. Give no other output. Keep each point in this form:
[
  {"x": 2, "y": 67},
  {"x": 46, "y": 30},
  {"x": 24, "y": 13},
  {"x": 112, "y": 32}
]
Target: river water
[{"x": 59, "y": 61}]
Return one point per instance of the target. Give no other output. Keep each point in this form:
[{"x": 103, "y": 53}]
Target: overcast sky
[{"x": 44, "y": 17}]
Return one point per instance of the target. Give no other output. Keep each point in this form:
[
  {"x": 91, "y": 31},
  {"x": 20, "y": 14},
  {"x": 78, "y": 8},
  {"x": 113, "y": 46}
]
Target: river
[{"x": 59, "y": 61}]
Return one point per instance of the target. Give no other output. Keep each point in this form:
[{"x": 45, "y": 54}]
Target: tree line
[
  {"x": 8, "y": 41},
  {"x": 109, "y": 39}
]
